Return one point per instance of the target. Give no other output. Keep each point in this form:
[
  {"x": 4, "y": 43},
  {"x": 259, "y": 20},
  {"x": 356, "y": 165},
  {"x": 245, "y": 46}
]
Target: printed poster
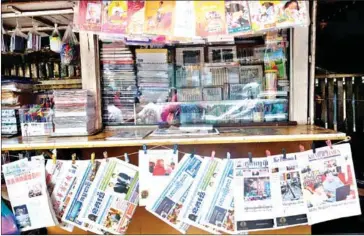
[
  {"x": 210, "y": 18},
  {"x": 237, "y": 17},
  {"x": 252, "y": 195},
  {"x": 292, "y": 13},
  {"x": 115, "y": 14},
  {"x": 156, "y": 166},
  {"x": 287, "y": 194},
  {"x": 329, "y": 183},
  {"x": 90, "y": 13},
  {"x": 113, "y": 197},
  {"x": 159, "y": 17},
  {"x": 263, "y": 14},
  {"x": 168, "y": 204},
  {"x": 135, "y": 17},
  {"x": 185, "y": 22}
]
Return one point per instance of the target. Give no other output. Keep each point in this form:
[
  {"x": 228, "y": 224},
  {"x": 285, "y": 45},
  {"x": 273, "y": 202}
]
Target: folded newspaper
[
  {"x": 329, "y": 184},
  {"x": 27, "y": 190}
]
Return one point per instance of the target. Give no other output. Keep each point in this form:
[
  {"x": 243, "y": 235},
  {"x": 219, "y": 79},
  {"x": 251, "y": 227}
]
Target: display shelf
[{"x": 227, "y": 136}]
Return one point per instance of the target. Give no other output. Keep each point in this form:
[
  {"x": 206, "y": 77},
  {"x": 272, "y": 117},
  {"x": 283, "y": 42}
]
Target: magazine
[
  {"x": 156, "y": 166},
  {"x": 292, "y": 13},
  {"x": 263, "y": 14},
  {"x": 219, "y": 206},
  {"x": 185, "y": 23},
  {"x": 289, "y": 206},
  {"x": 210, "y": 18},
  {"x": 113, "y": 197},
  {"x": 329, "y": 183},
  {"x": 167, "y": 205},
  {"x": 159, "y": 17},
  {"x": 252, "y": 195},
  {"x": 192, "y": 212},
  {"x": 237, "y": 17},
  {"x": 27, "y": 191},
  {"x": 173, "y": 131}
]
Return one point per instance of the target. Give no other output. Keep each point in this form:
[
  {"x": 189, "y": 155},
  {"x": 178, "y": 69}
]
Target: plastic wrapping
[
  {"x": 17, "y": 42},
  {"x": 34, "y": 40},
  {"x": 5, "y": 40},
  {"x": 70, "y": 48},
  {"x": 55, "y": 40}
]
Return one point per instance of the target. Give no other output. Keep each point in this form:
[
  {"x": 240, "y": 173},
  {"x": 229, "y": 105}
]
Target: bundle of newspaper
[
  {"x": 74, "y": 112},
  {"x": 27, "y": 190}
]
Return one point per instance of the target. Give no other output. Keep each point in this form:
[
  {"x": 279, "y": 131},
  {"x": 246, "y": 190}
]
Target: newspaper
[
  {"x": 289, "y": 206},
  {"x": 156, "y": 166},
  {"x": 329, "y": 183},
  {"x": 168, "y": 204},
  {"x": 252, "y": 195},
  {"x": 27, "y": 190},
  {"x": 113, "y": 197},
  {"x": 192, "y": 211},
  {"x": 219, "y": 206},
  {"x": 72, "y": 211}
]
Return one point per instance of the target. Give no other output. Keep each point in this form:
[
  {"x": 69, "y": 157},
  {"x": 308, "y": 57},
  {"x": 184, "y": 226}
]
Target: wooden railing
[{"x": 339, "y": 102}]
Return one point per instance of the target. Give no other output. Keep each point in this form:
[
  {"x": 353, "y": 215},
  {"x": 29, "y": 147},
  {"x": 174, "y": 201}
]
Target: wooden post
[{"x": 90, "y": 70}]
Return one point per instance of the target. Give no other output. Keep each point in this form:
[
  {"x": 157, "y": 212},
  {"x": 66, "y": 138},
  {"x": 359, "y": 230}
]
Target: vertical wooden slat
[
  {"x": 323, "y": 102},
  {"x": 340, "y": 104},
  {"x": 349, "y": 105},
  {"x": 330, "y": 105},
  {"x": 359, "y": 104}
]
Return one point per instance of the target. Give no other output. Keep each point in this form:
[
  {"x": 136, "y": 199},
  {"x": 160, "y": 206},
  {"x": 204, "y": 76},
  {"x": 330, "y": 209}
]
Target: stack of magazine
[{"x": 119, "y": 83}]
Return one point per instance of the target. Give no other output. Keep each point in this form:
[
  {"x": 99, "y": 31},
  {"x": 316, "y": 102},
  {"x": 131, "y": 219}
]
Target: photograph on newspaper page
[
  {"x": 252, "y": 195},
  {"x": 113, "y": 197},
  {"x": 156, "y": 166},
  {"x": 329, "y": 183},
  {"x": 287, "y": 194},
  {"x": 191, "y": 212},
  {"x": 28, "y": 195},
  {"x": 168, "y": 204},
  {"x": 218, "y": 210}
]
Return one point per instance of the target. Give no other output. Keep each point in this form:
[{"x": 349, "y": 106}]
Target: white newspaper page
[
  {"x": 329, "y": 183},
  {"x": 252, "y": 195},
  {"x": 289, "y": 206},
  {"x": 191, "y": 212},
  {"x": 156, "y": 166},
  {"x": 113, "y": 197},
  {"x": 168, "y": 204},
  {"x": 218, "y": 210},
  {"x": 27, "y": 190}
]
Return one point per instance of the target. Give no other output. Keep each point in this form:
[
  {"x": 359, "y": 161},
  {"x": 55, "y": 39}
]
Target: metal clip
[
  {"x": 73, "y": 158},
  {"x": 93, "y": 158},
  {"x": 145, "y": 148},
  {"x": 212, "y": 155},
  {"x": 313, "y": 147},
  {"x": 228, "y": 155},
  {"x": 105, "y": 156},
  {"x": 175, "y": 149},
  {"x": 284, "y": 154},
  {"x": 250, "y": 157},
  {"x": 126, "y": 157},
  {"x": 329, "y": 144}
]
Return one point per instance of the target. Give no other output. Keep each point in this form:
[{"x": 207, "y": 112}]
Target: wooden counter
[{"x": 244, "y": 135}]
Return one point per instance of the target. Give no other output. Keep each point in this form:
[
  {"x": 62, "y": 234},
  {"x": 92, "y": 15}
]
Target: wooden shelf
[{"x": 245, "y": 135}]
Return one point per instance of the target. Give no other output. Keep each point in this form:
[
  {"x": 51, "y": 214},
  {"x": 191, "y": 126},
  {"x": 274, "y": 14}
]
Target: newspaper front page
[
  {"x": 329, "y": 183},
  {"x": 191, "y": 212},
  {"x": 252, "y": 195},
  {"x": 219, "y": 207},
  {"x": 113, "y": 197},
  {"x": 289, "y": 206},
  {"x": 27, "y": 190},
  {"x": 169, "y": 202},
  {"x": 156, "y": 166}
]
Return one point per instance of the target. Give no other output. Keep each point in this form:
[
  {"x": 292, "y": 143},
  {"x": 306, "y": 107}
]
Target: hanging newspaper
[
  {"x": 329, "y": 184},
  {"x": 219, "y": 205},
  {"x": 27, "y": 190},
  {"x": 289, "y": 206},
  {"x": 82, "y": 189},
  {"x": 252, "y": 195},
  {"x": 65, "y": 187},
  {"x": 192, "y": 211},
  {"x": 113, "y": 197},
  {"x": 155, "y": 166},
  {"x": 168, "y": 204}
]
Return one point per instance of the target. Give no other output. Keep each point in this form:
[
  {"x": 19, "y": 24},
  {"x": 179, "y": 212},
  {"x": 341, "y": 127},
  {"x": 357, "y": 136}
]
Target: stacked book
[
  {"x": 10, "y": 124},
  {"x": 153, "y": 75},
  {"x": 74, "y": 112},
  {"x": 119, "y": 84}
]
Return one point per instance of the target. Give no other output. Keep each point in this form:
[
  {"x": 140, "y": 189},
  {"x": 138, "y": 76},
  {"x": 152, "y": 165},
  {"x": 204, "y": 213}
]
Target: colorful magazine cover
[
  {"x": 292, "y": 13},
  {"x": 237, "y": 17},
  {"x": 156, "y": 166},
  {"x": 89, "y": 15},
  {"x": 329, "y": 183},
  {"x": 263, "y": 14},
  {"x": 115, "y": 14},
  {"x": 159, "y": 17},
  {"x": 113, "y": 197},
  {"x": 168, "y": 204},
  {"x": 135, "y": 17},
  {"x": 210, "y": 18}
]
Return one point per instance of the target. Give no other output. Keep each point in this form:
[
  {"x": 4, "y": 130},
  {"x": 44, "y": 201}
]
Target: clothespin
[
  {"x": 175, "y": 149},
  {"x": 212, "y": 155},
  {"x": 93, "y": 158},
  {"x": 284, "y": 153},
  {"x": 267, "y": 153},
  {"x": 21, "y": 156},
  {"x": 301, "y": 147},
  {"x": 73, "y": 158},
  {"x": 250, "y": 157},
  {"x": 27, "y": 155},
  {"x": 328, "y": 143},
  {"x": 313, "y": 147},
  {"x": 228, "y": 155},
  {"x": 105, "y": 156},
  {"x": 126, "y": 157},
  {"x": 193, "y": 153},
  {"x": 145, "y": 148},
  {"x": 54, "y": 158}
]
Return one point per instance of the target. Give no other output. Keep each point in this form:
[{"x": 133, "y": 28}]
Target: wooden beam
[
  {"x": 39, "y": 29},
  {"x": 43, "y": 21},
  {"x": 37, "y": 13},
  {"x": 90, "y": 70},
  {"x": 334, "y": 76}
]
